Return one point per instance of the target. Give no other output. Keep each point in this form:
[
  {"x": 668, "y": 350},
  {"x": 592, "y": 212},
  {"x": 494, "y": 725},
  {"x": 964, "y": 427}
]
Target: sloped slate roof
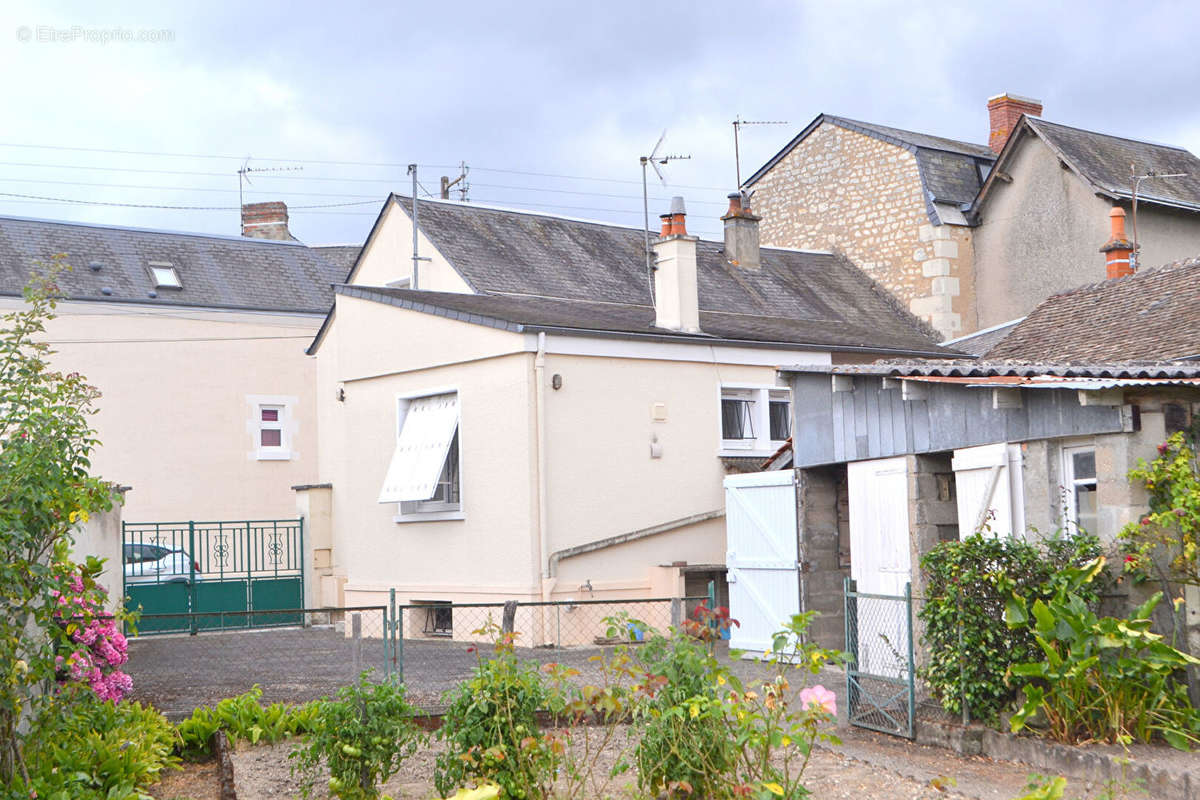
[
  {"x": 980, "y": 342},
  {"x": 216, "y": 271},
  {"x": 1153, "y": 315},
  {"x": 1105, "y": 161},
  {"x": 342, "y": 256},
  {"x": 542, "y": 313},
  {"x": 523, "y": 254},
  {"x": 949, "y": 169}
]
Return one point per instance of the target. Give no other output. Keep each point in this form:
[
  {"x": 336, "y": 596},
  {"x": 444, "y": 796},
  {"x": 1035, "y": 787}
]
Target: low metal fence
[
  {"x": 431, "y": 647},
  {"x": 880, "y": 673}
]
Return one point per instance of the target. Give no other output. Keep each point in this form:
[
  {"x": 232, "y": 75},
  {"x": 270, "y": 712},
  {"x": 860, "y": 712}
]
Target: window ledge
[
  {"x": 429, "y": 516},
  {"x": 273, "y": 455},
  {"x": 755, "y": 452}
]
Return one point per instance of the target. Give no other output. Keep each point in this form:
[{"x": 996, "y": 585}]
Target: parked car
[{"x": 153, "y": 563}]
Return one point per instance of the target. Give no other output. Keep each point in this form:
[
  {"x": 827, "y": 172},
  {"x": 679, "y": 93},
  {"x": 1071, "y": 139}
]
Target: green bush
[
  {"x": 1100, "y": 678},
  {"x": 491, "y": 730},
  {"x": 83, "y": 748},
  {"x": 968, "y": 584},
  {"x": 243, "y": 717},
  {"x": 362, "y": 736},
  {"x": 684, "y": 745}
]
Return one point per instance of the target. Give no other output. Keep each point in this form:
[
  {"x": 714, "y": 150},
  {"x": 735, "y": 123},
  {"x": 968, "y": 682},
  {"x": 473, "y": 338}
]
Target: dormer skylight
[{"x": 165, "y": 275}]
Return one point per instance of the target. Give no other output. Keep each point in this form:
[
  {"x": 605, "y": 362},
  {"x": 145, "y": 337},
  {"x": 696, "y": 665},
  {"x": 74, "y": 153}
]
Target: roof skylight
[{"x": 165, "y": 275}]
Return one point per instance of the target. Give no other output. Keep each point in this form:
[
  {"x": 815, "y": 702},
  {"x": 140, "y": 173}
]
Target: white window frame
[
  {"x": 1070, "y": 483},
  {"x": 154, "y": 267},
  {"x": 431, "y": 510},
  {"x": 759, "y": 397},
  {"x": 286, "y": 425}
]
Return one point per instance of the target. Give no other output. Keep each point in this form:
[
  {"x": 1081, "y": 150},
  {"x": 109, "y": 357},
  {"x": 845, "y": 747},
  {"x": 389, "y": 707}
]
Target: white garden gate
[{"x": 762, "y": 556}]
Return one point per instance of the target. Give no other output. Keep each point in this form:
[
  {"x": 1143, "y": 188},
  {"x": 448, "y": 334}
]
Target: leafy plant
[
  {"x": 1168, "y": 538},
  {"x": 244, "y": 717},
  {"x": 772, "y": 729},
  {"x": 1101, "y": 679},
  {"x": 84, "y": 748},
  {"x": 362, "y": 736},
  {"x": 684, "y": 747},
  {"x": 46, "y": 444},
  {"x": 968, "y": 584},
  {"x": 491, "y": 730}
]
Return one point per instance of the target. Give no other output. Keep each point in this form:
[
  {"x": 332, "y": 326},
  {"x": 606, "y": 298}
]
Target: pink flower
[{"x": 819, "y": 698}]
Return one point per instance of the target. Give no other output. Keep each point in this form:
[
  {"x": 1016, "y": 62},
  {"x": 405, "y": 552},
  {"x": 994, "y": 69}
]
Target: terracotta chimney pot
[{"x": 1118, "y": 248}]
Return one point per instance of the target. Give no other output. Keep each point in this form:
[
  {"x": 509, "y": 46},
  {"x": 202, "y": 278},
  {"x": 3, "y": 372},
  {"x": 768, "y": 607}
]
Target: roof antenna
[
  {"x": 460, "y": 181},
  {"x": 416, "y": 256},
  {"x": 244, "y": 178},
  {"x": 654, "y": 160},
  {"x": 738, "y": 122},
  {"x": 1137, "y": 182}
]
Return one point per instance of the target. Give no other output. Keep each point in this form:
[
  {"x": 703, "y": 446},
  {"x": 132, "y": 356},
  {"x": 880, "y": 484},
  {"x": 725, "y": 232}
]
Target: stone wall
[
  {"x": 823, "y": 514},
  {"x": 845, "y": 191}
]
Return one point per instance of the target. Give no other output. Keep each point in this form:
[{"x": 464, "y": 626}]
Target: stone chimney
[
  {"x": 266, "y": 221},
  {"x": 1118, "y": 248},
  {"x": 676, "y": 292},
  {"x": 1004, "y": 111},
  {"x": 741, "y": 233}
]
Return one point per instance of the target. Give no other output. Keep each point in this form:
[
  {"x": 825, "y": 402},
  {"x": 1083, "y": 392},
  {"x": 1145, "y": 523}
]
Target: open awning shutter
[
  {"x": 989, "y": 486},
  {"x": 421, "y": 449}
]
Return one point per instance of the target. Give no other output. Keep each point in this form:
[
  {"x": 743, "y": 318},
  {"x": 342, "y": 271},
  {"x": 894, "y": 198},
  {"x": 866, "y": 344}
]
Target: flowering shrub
[
  {"x": 97, "y": 647},
  {"x": 1167, "y": 540}
]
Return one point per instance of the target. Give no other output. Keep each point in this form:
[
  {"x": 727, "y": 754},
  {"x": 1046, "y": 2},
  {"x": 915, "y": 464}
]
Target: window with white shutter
[{"x": 423, "y": 476}]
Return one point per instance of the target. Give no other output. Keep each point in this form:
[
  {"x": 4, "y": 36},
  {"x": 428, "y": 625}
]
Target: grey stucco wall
[{"x": 1041, "y": 234}]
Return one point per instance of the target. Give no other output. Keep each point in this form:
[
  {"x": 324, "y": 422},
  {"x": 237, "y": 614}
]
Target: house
[
  {"x": 532, "y": 414},
  {"x": 196, "y": 342},
  {"x": 968, "y": 236},
  {"x": 1036, "y": 436}
]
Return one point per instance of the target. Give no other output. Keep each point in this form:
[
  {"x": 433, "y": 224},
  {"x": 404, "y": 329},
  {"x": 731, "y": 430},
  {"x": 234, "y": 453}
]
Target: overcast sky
[{"x": 556, "y": 88}]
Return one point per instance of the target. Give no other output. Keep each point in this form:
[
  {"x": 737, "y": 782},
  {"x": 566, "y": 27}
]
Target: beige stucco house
[
  {"x": 533, "y": 415},
  {"x": 972, "y": 236},
  {"x": 196, "y": 342}
]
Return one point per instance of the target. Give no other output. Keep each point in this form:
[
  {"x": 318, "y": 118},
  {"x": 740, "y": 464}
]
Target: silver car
[{"x": 153, "y": 563}]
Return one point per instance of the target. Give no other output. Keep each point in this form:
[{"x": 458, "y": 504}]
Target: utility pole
[
  {"x": 460, "y": 181},
  {"x": 416, "y": 256},
  {"x": 1137, "y": 182},
  {"x": 738, "y": 122}
]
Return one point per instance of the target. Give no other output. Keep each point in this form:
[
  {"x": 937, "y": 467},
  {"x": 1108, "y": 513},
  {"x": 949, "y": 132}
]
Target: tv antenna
[
  {"x": 738, "y": 122},
  {"x": 460, "y": 181},
  {"x": 244, "y": 173},
  {"x": 655, "y": 159},
  {"x": 1137, "y": 182}
]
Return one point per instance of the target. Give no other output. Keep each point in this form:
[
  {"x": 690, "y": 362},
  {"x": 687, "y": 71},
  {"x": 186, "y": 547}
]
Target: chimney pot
[
  {"x": 1004, "y": 112},
  {"x": 741, "y": 234},
  {"x": 266, "y": 221},
  {"x": 676, "y": 291},
  {"x": 1118, "y": 248},
  {"x": 666, "y": 225}
]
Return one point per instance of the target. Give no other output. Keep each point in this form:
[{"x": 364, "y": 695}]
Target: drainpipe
[{"x": 539, "y": 374}]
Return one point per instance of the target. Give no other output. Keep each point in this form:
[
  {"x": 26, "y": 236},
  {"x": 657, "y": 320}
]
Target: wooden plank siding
[{"x": 873, "y": 422}]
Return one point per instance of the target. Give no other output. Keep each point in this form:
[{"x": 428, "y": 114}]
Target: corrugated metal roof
[{"x": 973, "y": 370}]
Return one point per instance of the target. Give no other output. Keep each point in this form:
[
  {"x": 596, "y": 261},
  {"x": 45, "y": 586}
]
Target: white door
[
  {"x": 880, "y": 562},
  {"x": 988, "y": 484},
  {"x": 762, "y": 556}
]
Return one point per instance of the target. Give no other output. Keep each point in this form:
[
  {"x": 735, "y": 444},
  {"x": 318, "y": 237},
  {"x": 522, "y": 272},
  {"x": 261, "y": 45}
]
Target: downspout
[{"x": 539, "y": 374}]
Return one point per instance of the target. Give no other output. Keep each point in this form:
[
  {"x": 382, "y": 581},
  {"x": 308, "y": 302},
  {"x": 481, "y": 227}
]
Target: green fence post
[
  {"x": 191, "y": 557},
  {"x": 912, "y": 694},
  {"x": 398, "y": 639}
]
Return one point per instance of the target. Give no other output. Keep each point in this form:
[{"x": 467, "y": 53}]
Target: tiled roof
[
  {"x": 795, "y": 296},
  {"x": 1013, "y": 368},
  {"x": 1105, "y": 161},
  {"x": 341, "y": 256},
  {"x": 1153, "y": 315},
  {"x": 951, "y": 171},
  {"x": 614, "y": 318},
  {"x": 112, "y": 264}
]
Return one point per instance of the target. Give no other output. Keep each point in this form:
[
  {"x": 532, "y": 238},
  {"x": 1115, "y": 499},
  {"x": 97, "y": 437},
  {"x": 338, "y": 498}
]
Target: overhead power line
[{"x": 75, "y": 201}]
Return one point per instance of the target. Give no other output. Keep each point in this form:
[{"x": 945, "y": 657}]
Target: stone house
[
  {"x": 1035, "y": 437},
  {"x": 533, "y": 415},
  {"x": 970, "y": 236}
]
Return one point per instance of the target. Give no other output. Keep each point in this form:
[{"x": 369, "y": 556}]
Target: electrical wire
[
  {"x": 165, "y": 207},
  {"x": 175, "y": 341}
]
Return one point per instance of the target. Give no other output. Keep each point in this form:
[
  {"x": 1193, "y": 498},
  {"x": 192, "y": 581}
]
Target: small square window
[
  {"x": 270, "y": 414},
  {"x": 270, "y": 427},
  {"x": 165, "y": 276},
  {"x": 781, "y": 420},
  {"x": 272, "y": 437}
]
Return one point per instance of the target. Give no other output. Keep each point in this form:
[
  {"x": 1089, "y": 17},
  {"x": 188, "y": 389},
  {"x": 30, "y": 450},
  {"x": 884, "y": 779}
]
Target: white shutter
[
  {"x": 762, "y": 556},
  {"x": 989, "y": 486},
  {"x": 421, "y": 449}
]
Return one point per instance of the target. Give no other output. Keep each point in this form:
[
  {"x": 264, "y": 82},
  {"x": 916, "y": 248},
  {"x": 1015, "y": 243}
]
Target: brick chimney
[
  {"x": 741, "y": 233},
  {"x": 1004, "y": 111},
  {"x": 266, "y": 221},
  {"x": 1118, "y": 248},
  {"x": 676, "y": 291}
]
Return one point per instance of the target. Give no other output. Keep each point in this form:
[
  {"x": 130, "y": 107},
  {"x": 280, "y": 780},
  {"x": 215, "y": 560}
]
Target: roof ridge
[
  {"x": 1142, "y": 273},
  {"x": 159, "y": 231},
  {"x": 837, "y": 117}
]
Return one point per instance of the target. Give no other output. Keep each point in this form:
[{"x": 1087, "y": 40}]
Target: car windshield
[{"x": 139, "y": 553}]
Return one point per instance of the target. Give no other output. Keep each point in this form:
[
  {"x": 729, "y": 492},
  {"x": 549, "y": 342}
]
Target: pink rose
[{"x": 819, "y": 698}]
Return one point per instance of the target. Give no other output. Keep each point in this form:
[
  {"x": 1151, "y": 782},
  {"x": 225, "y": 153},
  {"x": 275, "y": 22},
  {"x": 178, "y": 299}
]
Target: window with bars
[{"x": 757, "y": 419}]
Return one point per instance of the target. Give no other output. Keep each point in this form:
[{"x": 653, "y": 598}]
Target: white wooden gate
[
  {"x": 989, "y": 488},
  {"x": 762, "y": 556},
  {"x": 880, "y": 560}
]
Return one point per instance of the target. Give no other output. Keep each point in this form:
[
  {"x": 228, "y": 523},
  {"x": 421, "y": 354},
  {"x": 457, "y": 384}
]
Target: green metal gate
[
  {"x": 191, "y": 568},
  {"x": 880, "y": 688}
]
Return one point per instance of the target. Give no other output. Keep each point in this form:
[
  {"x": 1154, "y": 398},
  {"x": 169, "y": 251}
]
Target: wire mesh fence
[
  {"x": 304, "y": 654},
  {"x": 880, "y": 674}
]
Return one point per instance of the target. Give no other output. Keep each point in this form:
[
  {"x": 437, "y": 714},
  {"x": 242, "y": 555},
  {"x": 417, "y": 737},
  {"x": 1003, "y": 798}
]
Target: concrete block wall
[{"x": 822, "y": 514}]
